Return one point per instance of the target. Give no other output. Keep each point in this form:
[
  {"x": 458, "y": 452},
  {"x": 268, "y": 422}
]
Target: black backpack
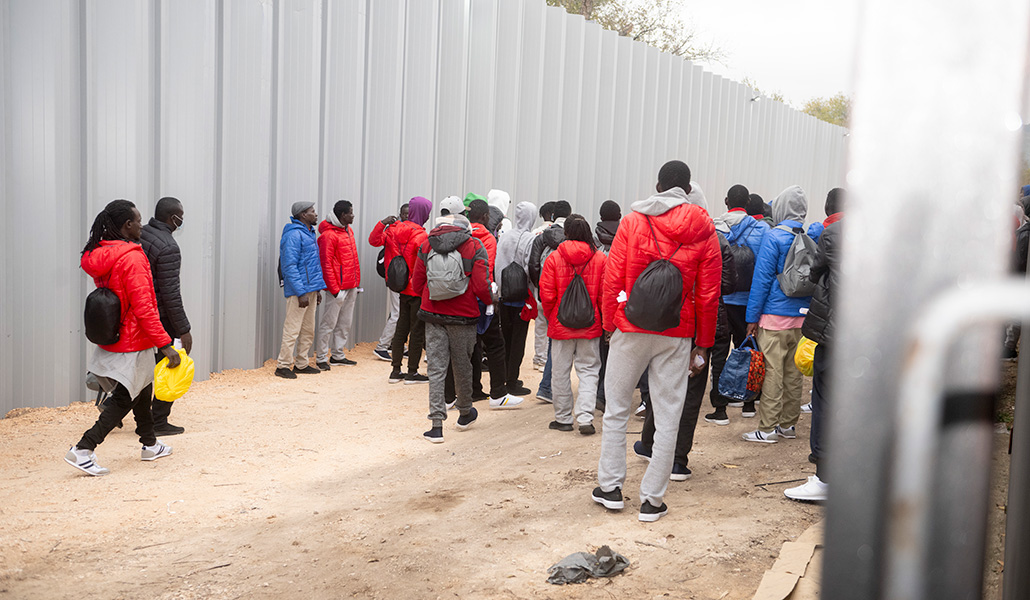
[
  {"x": 743, "y": 260},
  {"x": 397, "y": 272},
  {"x": 575, "y": 310},
  {"x": 103, "y": 317},
  {"x": 656, "y": 299},
  {"x": 381, "y": 263},
  {"x": 514, "y": 283}
]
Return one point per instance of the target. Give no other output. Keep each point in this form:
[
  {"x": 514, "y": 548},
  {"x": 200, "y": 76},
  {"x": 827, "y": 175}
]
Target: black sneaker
[
  {"x": 322, "y": 366},
  {"x": 718, "y": 417},
  {"x": 382, "y": 354},
  {"x": 679, "y": 472},
  {"x": 650, "y": 514},
  {"x": 466, "y": 421},
  {"x": 519, "y": 390},
  {"x": 396, "y": 377},
  {"x": 611, "y": 500},
  {"x": 812, "y": 459},
  {"x": 168, "y": 429},
  {"x": 479, "y": 396},
  {"x": 413, "y": 378},
  {"x": 587, "y": 429},
  {"x": 343, "y": 361},
  {"x": 599, "y": 406},
  {"x": 285, "y": 373},
  {"x": 641, "y": 450},
  {"x": 560, "y": 426},
  {"x": 434, "y": 435},
  {"x": 748, "y": 411},
  {"x": 308, "y": 370}
]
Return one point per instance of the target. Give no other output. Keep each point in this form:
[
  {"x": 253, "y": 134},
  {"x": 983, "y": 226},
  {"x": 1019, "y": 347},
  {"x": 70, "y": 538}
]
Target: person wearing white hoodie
[
  {"x": 500, "y": 200},
  {"x": 513, "y": 252}
]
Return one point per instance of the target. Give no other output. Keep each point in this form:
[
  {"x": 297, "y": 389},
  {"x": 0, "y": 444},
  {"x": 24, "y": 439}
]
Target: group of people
[{"x": 653, "y": 300}]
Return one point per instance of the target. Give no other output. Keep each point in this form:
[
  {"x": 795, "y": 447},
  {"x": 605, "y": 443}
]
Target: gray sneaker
[
  {"x": 155, "y": 452},
  {"x": 85, "y": 461},
  {"x": 789, "y": 433}
]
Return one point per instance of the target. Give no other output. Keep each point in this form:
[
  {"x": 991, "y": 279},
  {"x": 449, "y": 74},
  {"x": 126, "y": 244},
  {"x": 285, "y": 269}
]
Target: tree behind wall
[{"x": 835, "y": 109}]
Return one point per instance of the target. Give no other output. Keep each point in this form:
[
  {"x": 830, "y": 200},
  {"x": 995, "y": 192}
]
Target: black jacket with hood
[
  {"x": 165, "y": 261},
  {"x": 819, "y": 323},
  {"x": 548, "y": 240}
]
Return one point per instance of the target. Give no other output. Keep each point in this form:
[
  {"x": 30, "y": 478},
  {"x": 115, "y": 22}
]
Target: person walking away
[
  {"x": 540, "y": 323},
  {"x": 832, "y": 208},
  {"x": 664, "y": 227},
  {"x": 543, "y": 245},
  {"x": 341, "y": 271},
  {"x": 775, "y": 319},
  {"x": 742, "y": 231},
  {"x": 393, "y": 302},
  {"x": 402, "y": 240},
  {"x": 513, "y": 258},
  {"x": 491, "y": 341},
  {"x": 451, "y": 314},
  {"x": 576, "y": 262},
  {"x": 819, "y": 327},
  {"x": 302, "y": 286},
  {"x": 165, "y": 263},
  {"x": 115, "y": 261}
]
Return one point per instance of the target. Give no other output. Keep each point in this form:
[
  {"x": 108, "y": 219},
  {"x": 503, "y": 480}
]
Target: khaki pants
[
  {"x": 298, "y": 332},
  {"x": 781, "y": 392}
]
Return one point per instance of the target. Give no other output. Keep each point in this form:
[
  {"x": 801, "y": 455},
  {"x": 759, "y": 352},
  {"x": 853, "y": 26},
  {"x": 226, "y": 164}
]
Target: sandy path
[{"x": 323, "y": 488}]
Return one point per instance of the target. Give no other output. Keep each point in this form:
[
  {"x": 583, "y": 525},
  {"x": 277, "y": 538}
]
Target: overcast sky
[{"x": 800, "y": 48}]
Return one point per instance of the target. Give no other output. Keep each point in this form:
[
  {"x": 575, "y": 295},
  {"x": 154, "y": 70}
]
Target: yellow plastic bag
[
  {"x": 172, "y": 384},
  {"x": 805, "y": 356}
]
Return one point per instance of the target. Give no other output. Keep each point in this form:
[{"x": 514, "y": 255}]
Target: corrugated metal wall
[{"x": 241, "y": 108}]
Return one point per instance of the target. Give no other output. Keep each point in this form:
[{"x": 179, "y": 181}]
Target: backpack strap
[{"x": 654, "y": 236}]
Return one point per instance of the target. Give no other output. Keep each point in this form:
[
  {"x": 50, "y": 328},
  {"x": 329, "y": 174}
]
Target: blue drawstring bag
[{"x": 744, "y": 373}]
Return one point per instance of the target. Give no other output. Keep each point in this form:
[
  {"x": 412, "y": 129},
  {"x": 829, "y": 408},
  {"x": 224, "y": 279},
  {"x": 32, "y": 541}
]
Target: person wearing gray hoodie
[
  {"x": 513, "y": 252},
  {"x": 775, "y": 320}
]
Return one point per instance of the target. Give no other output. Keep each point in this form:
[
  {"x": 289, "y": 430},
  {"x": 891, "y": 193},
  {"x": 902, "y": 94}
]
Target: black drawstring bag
[
  {"x": 103, "y": 317},
  {"x": 514, "y": 283},
  {"x": 575, "y": 310},
  {"x": 397, "y": 272},
  {"x": 656, "y": 300}
]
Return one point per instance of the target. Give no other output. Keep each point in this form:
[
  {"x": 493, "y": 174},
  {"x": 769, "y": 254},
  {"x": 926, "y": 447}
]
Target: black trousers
[
  {"x": 491, "y": 343},
  {"x": 820, "y": 418},
  {"x": 408, "y": 323},
  {"x": 605, "y": 346},
  {"x": 116, "y": 407},
  {"x": 514, "y": 331},
  {"x": 717, "y": 357},
  {"x": 688, "y": 418},
  {"x": 159, "y": 408}
]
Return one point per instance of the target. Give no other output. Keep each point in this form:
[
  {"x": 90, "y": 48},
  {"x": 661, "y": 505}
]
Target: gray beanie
[{"x": 299, "y": 207}]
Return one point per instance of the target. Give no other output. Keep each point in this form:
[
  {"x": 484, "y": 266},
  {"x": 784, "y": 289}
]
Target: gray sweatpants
[
  {"x": 586, "y": 354},
  {"x": 337, "y": 315},
  {"x": 449, "y": 345},
  {"x": 668, "y": 360},
  {"x": 393, "y": 301},
  {"x": 540, "y": 338}
]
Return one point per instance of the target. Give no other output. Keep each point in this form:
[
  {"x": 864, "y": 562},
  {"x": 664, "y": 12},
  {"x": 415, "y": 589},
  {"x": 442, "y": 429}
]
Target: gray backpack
[
  {"x": 795, "y": 279},
  {"x": 445, "y": 275}
]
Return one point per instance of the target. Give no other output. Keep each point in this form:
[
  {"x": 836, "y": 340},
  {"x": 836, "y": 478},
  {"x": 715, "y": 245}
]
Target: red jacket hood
[
  {"x": 325, "y": 226},
  {"x": 99, "y": 261},
  {"x": 577, "y": 253}
]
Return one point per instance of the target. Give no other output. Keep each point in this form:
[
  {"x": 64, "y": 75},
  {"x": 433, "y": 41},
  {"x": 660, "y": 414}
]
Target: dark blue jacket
[
  {"x": 749, "y": 231},
  {"x": 298, "y": 257},
  {"x": 815, "y": 230},
  {"x": 766, "y": 297}
]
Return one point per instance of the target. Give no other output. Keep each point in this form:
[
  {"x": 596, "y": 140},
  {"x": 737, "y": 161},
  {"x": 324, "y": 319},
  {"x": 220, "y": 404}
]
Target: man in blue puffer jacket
[
  {"x": 776, "y": 319},
  {"x": 302, "y": 284}
]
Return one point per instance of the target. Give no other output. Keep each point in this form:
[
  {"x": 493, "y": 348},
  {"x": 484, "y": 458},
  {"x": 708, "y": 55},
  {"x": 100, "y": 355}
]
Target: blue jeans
[{"x": 545, "y": 382}]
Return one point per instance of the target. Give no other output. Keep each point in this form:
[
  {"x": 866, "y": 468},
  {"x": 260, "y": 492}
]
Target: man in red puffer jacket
[
  {"x": 403, "y": 238},
  {"x": 342, "y": 274},
  {"x": 665, "y": 226},
  {"x": 116, "y": 261},
  {"x": 575, "y": 256}
]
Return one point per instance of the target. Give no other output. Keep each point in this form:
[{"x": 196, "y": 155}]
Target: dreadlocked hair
[
  {"x": 108, "y": 224},
  {"x": 577, "y": 228}
]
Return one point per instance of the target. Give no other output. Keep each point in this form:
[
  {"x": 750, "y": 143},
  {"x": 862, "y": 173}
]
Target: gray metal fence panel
[{"x": 242, "y": 108}]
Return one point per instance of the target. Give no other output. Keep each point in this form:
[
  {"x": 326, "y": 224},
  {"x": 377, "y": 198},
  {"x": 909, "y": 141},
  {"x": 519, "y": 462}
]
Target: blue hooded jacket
[
  {"x": 749, "y": 231},
  {"x": 766, "y": 297},
  {"x": 298, "y": 257}
]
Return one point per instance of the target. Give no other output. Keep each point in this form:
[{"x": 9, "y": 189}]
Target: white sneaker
[
  {"x": 85, "y": 461},
  {"x": 155, "y": 452},
  {"x": 806, "y": 408},
  {"x": 736, "y": 404},
  {"x": 758, "y": 436},
  {"x": 814, "y": 490},
  {"x": 641, "y": 411},
  {"x": 508, "y": 401},
  {"x": 451, "y": 405},
  {"x": 539, "y": 367},
  {"x": 789, "y": 433}
]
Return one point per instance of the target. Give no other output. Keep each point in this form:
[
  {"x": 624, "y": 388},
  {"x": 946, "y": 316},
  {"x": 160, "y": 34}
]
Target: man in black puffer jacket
[
  {"x": 819, "y": 327},
  {"x": 165, "y": 262}
]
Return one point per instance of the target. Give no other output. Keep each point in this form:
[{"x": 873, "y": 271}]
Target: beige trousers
[
  {"x": 298, "y": 332},
  {"x": 781, "y": 392}
]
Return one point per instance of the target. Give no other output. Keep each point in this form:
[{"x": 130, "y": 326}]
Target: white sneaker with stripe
[
  {"x": 508, "y": 401},
  {"x": 85, "y": 461}
]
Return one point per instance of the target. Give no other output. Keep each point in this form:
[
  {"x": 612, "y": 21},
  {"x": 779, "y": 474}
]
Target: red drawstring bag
[{"x": 529, "y": 309}]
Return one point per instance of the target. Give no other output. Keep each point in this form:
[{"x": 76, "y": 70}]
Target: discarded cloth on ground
[{"x": 578, "y": 567}]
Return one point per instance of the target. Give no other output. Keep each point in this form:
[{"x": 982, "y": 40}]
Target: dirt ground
[{"x": 322, "y": 487}]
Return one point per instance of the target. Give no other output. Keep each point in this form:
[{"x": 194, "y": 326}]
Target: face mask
[{"x": 177, "y": 220}]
